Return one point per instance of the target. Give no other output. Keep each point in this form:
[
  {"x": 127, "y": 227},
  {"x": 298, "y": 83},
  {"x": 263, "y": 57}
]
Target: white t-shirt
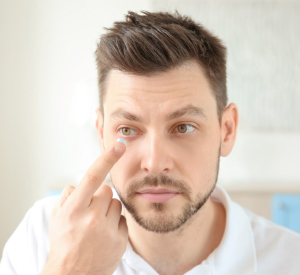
[{"x": 250, "y": 245}]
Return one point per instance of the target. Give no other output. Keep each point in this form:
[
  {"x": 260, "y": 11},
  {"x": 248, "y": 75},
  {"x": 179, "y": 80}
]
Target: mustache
[{"x": 155, "y": 181}]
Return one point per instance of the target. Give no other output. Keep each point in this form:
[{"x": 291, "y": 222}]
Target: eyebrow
[
  {"x": 121, "y": 113},
  {"x": 189, "y": 110}
]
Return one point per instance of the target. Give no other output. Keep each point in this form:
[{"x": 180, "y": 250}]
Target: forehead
[{"x": 183, "y": 85}]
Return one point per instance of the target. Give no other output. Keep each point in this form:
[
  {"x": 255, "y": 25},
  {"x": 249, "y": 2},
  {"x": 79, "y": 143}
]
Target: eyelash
[{"x": 120, "y": 129}]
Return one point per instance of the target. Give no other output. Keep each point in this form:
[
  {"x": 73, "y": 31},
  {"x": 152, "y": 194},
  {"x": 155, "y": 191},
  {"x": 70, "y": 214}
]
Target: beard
[{"x": 160, "y": 220}]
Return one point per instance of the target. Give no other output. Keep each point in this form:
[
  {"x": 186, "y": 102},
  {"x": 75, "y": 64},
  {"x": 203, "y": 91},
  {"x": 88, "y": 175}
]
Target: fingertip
[
  {"x": 121, "y": 140},
  {"x": 120, "y": 146}
]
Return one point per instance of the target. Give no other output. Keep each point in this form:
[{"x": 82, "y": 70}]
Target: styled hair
[{"x": 154, "y": 42}]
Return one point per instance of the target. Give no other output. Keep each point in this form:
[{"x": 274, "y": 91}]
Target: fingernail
[
  {"x": 119, "y": 149},
  {"x": 121, "y": 140}
]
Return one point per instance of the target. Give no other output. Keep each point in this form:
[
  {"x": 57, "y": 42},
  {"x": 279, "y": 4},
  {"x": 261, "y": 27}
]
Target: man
[{"x": 162, "y": 81}]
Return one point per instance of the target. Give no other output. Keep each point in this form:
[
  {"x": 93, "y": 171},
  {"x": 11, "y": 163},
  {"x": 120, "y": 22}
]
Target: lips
[{"x": 157, "y": 195}]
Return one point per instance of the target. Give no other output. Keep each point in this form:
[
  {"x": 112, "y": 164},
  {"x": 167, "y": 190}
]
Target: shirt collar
[{"x": 236, "y": 253}]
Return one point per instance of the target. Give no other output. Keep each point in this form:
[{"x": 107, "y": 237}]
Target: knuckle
[
  {"x": 92, "y": 179},
  {"x": 68, "y": 190},
  {"x": 71, "y": 214},
  {"x": 108, "y": 189},
  {"x": 117, "y": 204},
  {"x": 92, "y": 222},
  {"x": 105, "y": 190},
  {"x": 69, "y": 187}
]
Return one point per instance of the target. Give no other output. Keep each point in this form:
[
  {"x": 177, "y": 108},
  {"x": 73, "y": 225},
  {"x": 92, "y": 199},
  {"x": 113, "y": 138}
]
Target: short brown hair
[{"x": 157, "y": 42}]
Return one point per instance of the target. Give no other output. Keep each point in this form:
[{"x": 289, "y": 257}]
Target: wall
[
  {"x": 18, "y": 181},
  {"x": 262, "y": 71},
  {"x": 48, "y": 95}
]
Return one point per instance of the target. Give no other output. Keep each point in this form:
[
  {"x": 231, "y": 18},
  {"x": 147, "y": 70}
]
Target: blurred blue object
[
  {"x": 286, "y": 211},
  {"x": 51, "y": 193}
]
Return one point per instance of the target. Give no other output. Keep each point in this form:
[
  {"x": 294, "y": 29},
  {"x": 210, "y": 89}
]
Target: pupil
[
  {"x": 182, "y": 128},
  {"x": 125, "y": 131}
]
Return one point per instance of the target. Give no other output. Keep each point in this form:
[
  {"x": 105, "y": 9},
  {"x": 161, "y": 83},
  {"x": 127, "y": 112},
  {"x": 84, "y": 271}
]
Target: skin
[
  {"x": 87, "y": 222},
  {"x": 88, "y": 235},
  {"x": 155, "y": 147}
]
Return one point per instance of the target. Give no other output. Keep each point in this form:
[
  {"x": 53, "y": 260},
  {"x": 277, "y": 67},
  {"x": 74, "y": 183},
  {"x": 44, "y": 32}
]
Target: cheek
[
  {"x": 125, "y": 169},
  {"x": 201, "y": 163},
  {"x": 194, "y": 160}
]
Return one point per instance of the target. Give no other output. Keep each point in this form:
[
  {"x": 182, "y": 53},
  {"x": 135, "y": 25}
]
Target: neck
[{"x": 179, "y": 251}]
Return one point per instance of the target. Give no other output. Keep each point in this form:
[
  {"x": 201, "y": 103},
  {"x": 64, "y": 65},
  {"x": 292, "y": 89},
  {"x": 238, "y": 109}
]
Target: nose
[{"x": 156, "y": 155}]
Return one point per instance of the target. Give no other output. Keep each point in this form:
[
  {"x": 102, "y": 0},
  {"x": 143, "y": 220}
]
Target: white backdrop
[
  {"x": 48, "y": 96},
  {"x": 263, "y": 56},
  {"x": 48, "y": 91},
  {"x": 262, "y": 37}
]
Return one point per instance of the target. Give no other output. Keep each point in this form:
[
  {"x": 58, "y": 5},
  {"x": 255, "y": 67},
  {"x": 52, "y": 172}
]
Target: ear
[
  {"x": 230, "y": 120},
  {"x": 99, "y": 126}
]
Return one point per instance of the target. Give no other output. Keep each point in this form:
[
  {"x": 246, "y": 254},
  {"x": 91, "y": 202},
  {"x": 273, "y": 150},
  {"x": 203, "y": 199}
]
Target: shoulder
[
  {"x": 277, "y": 247},
  {"x": 36, "y": 221},
  {"x": 38, "y": 216},
  {"x": 44, "y": 206},
  {"x": 26, "y": 250},
  {"x": 266, "y": 232}
]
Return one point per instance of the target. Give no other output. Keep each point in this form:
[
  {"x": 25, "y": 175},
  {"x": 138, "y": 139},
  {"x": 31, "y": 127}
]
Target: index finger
[{"x": 97, "y": 172}]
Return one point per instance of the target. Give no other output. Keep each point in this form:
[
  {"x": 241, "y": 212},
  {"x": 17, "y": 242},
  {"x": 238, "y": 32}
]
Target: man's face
[{"x": 170, "y": 124}]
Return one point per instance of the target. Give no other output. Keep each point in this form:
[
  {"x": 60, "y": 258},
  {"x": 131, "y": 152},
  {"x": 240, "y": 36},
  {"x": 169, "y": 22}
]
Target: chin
[{"x": 161, "y": 217}]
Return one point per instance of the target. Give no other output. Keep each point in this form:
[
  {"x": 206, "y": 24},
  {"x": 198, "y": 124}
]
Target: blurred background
[{"x": 48, "y": 98}]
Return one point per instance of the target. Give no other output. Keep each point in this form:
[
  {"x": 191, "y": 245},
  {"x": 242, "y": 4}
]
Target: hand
[{"x": 88, "y": 235}]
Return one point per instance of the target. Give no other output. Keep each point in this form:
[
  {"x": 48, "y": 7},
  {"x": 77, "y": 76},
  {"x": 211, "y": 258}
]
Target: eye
[
  {"x": 185, "y": 128},
  {"x": 126, "y": 131}
]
